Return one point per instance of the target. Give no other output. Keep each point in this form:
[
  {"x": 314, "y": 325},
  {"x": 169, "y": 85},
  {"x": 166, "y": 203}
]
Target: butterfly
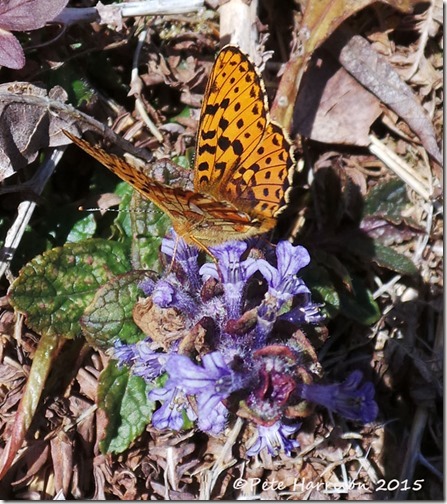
[{"x": 243, "y": 161}]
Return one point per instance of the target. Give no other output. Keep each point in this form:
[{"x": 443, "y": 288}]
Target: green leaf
[
  {"x": 389, "y": 258},
  {"x": 79, "y": 90},
  {"x": 149, "y": 225},
  {"x": 185, "y": 112},
  {"x": 54, "y": 289},
  {"x": 359, "y": 306},
  {"x": 322, "y": 288},
  {"x": 83, "y": 229},
  {"x": 184, "y": 161},
  {"x": 109, "y": 316},
  {"x": 334, "y": 265},
  {"x": 388, "y": 199},
  {"x": 122, "y": 224},
  {"x": 142, "y": 225},
  {"x": 123, "y": 397},
  {"x": 82, "y": 92}
]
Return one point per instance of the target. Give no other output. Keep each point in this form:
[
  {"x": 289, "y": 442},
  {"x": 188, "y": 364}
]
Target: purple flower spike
[
  {"x": 352, "y": 398},
  {"x": 274, "y": 438},
  {"x": 234, "y": 274},
  {"x": 282, "y": 281},
  {"x": 167, "y": 294}
]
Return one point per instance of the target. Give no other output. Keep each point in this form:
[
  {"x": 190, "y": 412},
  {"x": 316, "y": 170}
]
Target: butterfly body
[{"x": 243, "y": 162}]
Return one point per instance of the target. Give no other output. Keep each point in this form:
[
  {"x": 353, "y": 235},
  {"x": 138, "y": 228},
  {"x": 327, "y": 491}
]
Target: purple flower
[
  {"x": 214, "y": 377},
  {"x": 216, "y": 421},
  {"x": 173, "y": 412},
  {"x": 168, "y": 293},
  {"x": 352, "y": 399},
  {"x": 123, "y": 353},
  {"x": 147, "y": 286},
  {"x": 148, "y": 363},
  {"x": 283, "y": 284},
  {"x": 274, "y": 438},
  {"x": 210, "y": 384},
  {"x": 232, "y": 272},
  {"x": 282, "y": 281}
]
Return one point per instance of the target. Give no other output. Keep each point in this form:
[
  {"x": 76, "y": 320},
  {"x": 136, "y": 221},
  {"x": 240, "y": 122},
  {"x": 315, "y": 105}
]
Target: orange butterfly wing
[
  {"x": 243, "y": 162},
  {"x": 241, "y": 156},
  {"x": 197, "y": 217}
]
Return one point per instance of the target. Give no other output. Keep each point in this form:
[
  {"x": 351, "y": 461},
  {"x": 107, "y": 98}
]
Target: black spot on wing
[
  {"x": 223, "y": 124},
  {"x": 211, "y": 109},
  {"x": 238, "y": 148},
  {"x": 203, "y": 166},
  {"x": 224, "y": 143},
  {"x": 207, "y": 148},
  {"x": 208, "y": 135}
]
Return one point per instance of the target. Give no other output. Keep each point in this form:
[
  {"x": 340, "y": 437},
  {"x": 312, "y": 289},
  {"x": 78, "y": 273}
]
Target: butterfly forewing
[{"x": 240, "y": 155}]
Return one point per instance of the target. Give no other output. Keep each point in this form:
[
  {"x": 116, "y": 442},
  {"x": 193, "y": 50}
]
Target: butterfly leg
[
  {"x": 201, "y": 246},
  {"x": 174, "y": 252}
]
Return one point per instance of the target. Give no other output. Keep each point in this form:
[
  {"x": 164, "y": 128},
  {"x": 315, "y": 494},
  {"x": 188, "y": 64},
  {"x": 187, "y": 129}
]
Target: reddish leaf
[
  {"x": 49, "y": 346},
  {"x": 11, "y": 52},
  {"x": 21, "y": 15}
]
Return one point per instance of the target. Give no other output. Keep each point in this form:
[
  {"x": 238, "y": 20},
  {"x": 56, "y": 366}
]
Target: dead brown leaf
[
  {"x": 320, "y": 20},
  {"x": 32, "y": 119},
  {"x": 379, "y": 77},
  {"x": 62, "y": 456},
  {"x": 26, "y": 127},
  {"x": 332, "y": 107}
]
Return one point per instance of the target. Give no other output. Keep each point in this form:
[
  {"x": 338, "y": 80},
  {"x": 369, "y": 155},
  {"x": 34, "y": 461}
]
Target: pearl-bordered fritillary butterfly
[{"x": 243, "y": 161}]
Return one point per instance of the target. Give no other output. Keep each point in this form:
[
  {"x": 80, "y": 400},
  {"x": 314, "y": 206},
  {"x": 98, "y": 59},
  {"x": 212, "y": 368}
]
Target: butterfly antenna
[{"x": 108, "y": 209}]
